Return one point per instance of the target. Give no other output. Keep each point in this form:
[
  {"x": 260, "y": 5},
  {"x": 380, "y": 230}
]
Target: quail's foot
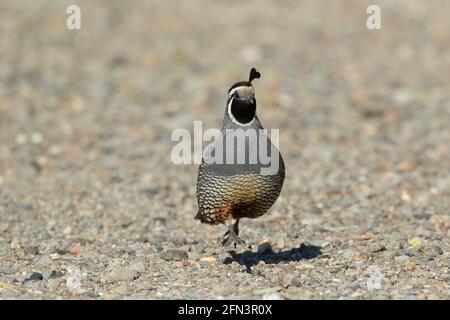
[{"x": 231, "y": 237}]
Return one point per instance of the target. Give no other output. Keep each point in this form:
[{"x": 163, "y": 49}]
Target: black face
[{"x": 243, "y": 110}]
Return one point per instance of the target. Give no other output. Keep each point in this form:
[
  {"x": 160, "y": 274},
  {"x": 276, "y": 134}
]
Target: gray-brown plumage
[{"x": 234, "y": 181}]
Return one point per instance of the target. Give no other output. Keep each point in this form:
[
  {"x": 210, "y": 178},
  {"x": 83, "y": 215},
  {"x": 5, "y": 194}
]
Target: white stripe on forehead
[{"x": 232, "y": 91}]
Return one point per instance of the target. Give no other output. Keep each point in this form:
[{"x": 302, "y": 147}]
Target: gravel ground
[{"x": 91, "y": 206}]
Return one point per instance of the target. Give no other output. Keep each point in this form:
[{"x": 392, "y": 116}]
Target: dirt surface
[{"x": 91, "y": 206}]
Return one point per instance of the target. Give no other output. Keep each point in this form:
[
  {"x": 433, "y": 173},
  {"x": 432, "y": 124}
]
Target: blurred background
[{"x": 86, "y": 118}]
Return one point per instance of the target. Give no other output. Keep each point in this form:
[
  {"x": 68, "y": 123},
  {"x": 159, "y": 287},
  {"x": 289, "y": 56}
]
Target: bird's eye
[{"x": 236, "y": 95}]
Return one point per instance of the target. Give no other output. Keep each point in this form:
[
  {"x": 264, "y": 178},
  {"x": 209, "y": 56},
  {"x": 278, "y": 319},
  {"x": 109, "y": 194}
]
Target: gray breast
[{"x": 243, "y": 150}]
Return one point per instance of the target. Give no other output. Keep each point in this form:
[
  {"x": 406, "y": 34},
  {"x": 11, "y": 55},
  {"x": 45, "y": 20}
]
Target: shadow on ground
[{"x": 249, "y": 258}]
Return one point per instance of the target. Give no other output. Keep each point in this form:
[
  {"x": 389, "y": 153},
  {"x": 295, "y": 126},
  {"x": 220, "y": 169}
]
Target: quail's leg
[{"x": 232, "y": 235}]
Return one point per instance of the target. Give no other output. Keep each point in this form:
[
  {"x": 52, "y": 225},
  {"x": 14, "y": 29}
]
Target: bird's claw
[{"x": 231, "y": 237}]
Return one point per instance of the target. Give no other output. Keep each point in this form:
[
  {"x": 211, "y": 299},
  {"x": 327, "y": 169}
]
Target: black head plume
[{"x": 253, "y": 75}]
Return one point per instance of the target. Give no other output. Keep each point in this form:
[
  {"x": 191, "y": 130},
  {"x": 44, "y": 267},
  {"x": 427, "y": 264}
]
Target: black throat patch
[{"x": 243, "y": 110}]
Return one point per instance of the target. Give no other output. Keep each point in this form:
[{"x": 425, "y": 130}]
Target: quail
[{"x": 234, "y": 181}]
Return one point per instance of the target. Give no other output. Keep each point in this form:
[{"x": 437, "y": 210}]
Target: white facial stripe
[
  {"x": 235, "y": 89},
  {"x": 234, "y": 119}
]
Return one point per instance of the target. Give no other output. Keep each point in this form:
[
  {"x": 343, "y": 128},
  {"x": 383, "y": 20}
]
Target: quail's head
[{"x": 241, "y": 100}]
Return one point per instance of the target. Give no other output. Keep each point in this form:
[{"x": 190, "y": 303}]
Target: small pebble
[
  {"x": 21, "y": 138},
  {"x": 31, "y": 251},
  {"x": 116, "y": 273},
  {"x": 92, "y": 294},
  {"x": 272, "y": 296},
  {"x": 55, "y": 256},
  {"x": 376, "y": 247},
  {"x": 174, "y": 255},
  {"x": 138, "y": 267},
  {"x": 264, "y": 248},
  {"x": 209, "y": 260},
  {"x": 37, "y": 138},
  {"x": 410, "y": 266},
  {"x": 35, "y": 276}
]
